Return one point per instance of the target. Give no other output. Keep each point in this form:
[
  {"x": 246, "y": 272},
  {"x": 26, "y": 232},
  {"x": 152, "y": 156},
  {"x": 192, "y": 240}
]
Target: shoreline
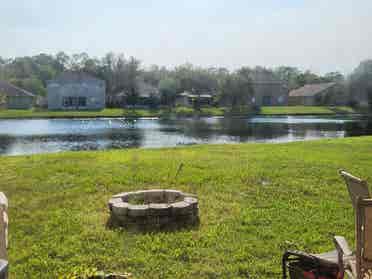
[{"x": 177, "y": 113}]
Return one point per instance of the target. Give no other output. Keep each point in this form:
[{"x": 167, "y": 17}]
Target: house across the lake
[
  {"x": 76, "y": 91},
  {"x": 13, "y": 97},
  {"x": 146, "y": 96},
  {"x": 317, "y": 94},
  {"x": 268, "y": 90},
  {"x": 188, "y": 99}
]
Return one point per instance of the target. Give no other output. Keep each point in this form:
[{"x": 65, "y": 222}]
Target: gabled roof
[
  {"x": 74, "y": 76},
  {"x": 12, "y": 90},
  {"x": 310, "y": 90}
]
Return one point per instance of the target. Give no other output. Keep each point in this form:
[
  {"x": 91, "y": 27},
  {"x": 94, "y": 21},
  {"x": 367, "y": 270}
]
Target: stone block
[
  {"x": 120, "y": 208},
  {"x": 154, "y": 196},
  {"x": 159, "y": 209},
  {"x": 172, "y": 195},
  {"x": 113, "y": 201},
  {"x": 192, "y": 201},
  {"x": 138, "y": 197},
  {"x": 120, "y": 195},
  {"x": 138, "y": 210},
  {"x": 181, "y": 208}
]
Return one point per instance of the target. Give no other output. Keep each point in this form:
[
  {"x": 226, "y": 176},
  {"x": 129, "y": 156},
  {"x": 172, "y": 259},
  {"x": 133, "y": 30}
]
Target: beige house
[
  {"x": 317, "y": 94},
  {"x": 13, "y": 97}
]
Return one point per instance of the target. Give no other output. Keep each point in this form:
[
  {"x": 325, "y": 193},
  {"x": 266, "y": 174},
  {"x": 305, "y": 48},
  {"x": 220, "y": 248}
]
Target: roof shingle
[
  {"x": 310, "y": 90},
  {"x": 74, "y": 76},
  {"x": 12, "y": 90}
]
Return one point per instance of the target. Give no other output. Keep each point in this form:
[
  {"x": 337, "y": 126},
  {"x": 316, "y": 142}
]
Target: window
[
  {"x": 67, "y": 101},
  {"x": 266, "y": 100},
  {"x": 74, "y": 102},
  {"x": 82, "y": 101}
]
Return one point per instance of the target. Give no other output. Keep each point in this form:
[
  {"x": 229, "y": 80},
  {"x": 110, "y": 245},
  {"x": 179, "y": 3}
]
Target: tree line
[{"x": 123, "y": 74}]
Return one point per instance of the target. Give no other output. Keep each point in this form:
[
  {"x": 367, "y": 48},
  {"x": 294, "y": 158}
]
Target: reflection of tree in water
[
  {"x": 5, "y": 143},
  {"x": 240, "y": 128},
  {"x": 129, "y": 122},
  {"x": 124, "y": 138},
  {"x": 358, "y": 128},
  {"x": 246, "y": 130},
  {"x": 110, "y": 139},
  {"x": 316, "y": 130}
]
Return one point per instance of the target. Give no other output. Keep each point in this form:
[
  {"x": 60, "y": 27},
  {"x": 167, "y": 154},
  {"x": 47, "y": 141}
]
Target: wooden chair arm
[
  {"x": 342, "y": 250},
  {"x": 342, "y": 246},
  {"x": 364, "y": 202}
]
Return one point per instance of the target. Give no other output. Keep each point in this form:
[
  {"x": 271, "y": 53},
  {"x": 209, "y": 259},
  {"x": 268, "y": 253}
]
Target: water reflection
[{"x": 42, "y": 136}]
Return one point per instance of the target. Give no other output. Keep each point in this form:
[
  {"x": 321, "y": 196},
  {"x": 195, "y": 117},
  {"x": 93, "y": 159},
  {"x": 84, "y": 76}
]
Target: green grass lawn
[
  {"x": 256, "y": 200},
  {"x": 306, "y": 110},
  {"x": 178, "y": 111},
  {"x": 37, "y": 113}
]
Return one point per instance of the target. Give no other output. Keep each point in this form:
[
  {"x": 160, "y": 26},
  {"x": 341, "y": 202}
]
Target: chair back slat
[
  {"x": 3, "y": 237},
  {"x": 367, "y": 234},
  {"x": 356, "y": 187},
  {"x": 364, "y": 238}
]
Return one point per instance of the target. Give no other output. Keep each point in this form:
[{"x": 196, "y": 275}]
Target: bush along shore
[
  {"x": 271, "y": 197},
  {"x": 178, "y": 112}
]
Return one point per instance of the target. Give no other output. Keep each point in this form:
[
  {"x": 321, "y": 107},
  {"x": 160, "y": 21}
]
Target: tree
[
  {"x": 289, "y": 75},
  {"x": 168, "y": 88},
  {"x": 307, "y": 78},
  {"x": 369, "y": 96},
  {"x": 62, "y": 61},
  {"x": 360, "y": 81},
  {"x": 77, "y": 61},
  {"x": 237, "y": 90},
  {"x": 2, "y": 64},
  {"x": 2, "y": 99},
  {"x": 154, "y": 74},
  {"x": 106, "y": 72},
  {"x": 333, "y": 77},
  {"x": 134, "y": 71}
]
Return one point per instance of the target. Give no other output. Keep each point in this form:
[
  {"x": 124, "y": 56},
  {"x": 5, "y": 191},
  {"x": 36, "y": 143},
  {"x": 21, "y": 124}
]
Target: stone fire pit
[{"x": 154, "y": 209}]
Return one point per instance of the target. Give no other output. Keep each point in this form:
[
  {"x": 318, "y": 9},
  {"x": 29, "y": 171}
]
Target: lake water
[{"x": 54, "y": 135}]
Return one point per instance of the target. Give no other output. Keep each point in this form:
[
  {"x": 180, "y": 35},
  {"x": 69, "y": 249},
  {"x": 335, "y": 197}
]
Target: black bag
[{"x": 305, "y": 266}]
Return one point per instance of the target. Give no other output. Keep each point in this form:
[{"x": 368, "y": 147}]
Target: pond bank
[
  {"x": 269, "y": 198},
  {"x": 178, "y": 112}
]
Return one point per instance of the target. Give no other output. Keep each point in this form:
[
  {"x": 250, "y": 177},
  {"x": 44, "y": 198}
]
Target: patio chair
[
  {"x": 330, "y": 264},
  {"x": 361, "y": 266},
  {"x": 356, "y": 187},
  {"x": 301, "y": 265}
]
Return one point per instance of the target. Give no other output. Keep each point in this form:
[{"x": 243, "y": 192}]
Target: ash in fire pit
[{"x": 154, "y": 209}]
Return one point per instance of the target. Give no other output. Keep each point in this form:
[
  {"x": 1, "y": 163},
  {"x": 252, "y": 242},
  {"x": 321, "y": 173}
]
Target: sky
[{"x": 319, "y": 35}]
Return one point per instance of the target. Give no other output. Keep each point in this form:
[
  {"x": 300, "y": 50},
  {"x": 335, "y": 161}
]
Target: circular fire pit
[{"x": 154, "y": 209}]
